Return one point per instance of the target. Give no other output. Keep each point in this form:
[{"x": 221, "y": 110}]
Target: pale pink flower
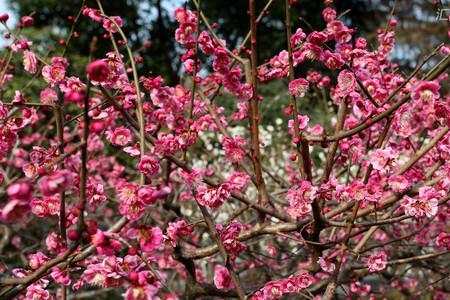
[
  {"x": 302, "y": 123},
  {"x": 326, "y": 265},
  {"x": 346, "y": 83},
  {"x": 29, "y": 61},
  {"x": 48, "y": 96},
  {"x": 377, "y": 262},
  {"x": 36, "y": 260},
  {"x": 398, "y": 184},
  {"x": 35, "y": 291},
  {"x": 426, "y": 204},
  {"x": 142, "y": 292},
  {"x": 382, "y": 158},
  {"x": 297, "y": 38}
]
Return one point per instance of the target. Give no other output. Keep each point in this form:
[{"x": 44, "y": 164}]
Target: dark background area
[{"x": 418, "y": 31}]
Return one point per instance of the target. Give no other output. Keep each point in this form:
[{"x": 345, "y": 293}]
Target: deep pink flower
[
  {"x": 149, "y": 238},
  {"x": 307, "y": 51},
  {"x": 298, "y": 87},
  {"x": 238, "y": 181},
  {"x": 27, "y": 21},
  {"x": 74, "y": 97},
  {"x": 329, "y": 14},
  {"x": 94, "y": 14},
  {"x": 45, "y": 207},
  {"x": 53, "y": 242},
  {"x": 212, "y": 196},
  {"x": 222, "y": 279},
  {"x": 109, "y": 25},
  {"x": 297, "y": 38},
  {"x": 14, "y": 211},
  {"x": 300, "y": 199},
  {"x": 317, "y": 38},
  {"x": 244, "y": 92},
  {"x": 234, "y": 148},
  {"x": 98, "y": 70},
  {"x": 149, "y": 194},
  {"x": 304, "y": 280},
  {"x": 149, "y": 165},
  {"x": 60, "y": 276},
  {"x": 56, "y": 183},
  {"x": 53, "y": 74},
  {"x": 229, "y": 237},
  {"x": 176, "y": 229},
  {"x": 20, "y": 191},
  {"x": 426, "y": 91},
  {"x": 333, "y": 61},
  {"x": 192, "y": 179},
  {"x": 358, "y": 288},
  {"x": 3, "y": 111},
  {"x": 130, "y": 205},
  {"x": 443, "y": 240},
  {"x": 361, "y": 43},
  {"x": 4, "y": 17},
  {"x": 61, "y": 61}
]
